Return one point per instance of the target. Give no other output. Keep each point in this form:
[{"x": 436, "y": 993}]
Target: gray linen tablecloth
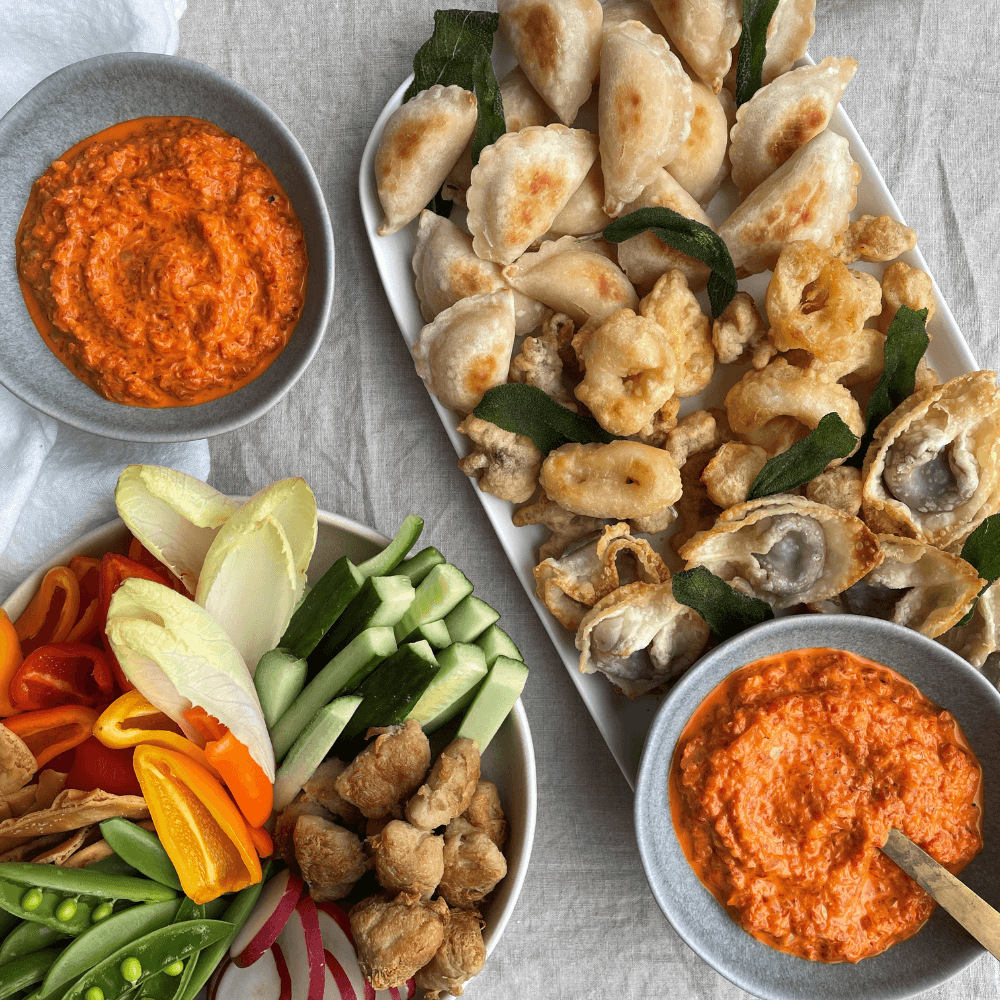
[{"x": 360, "y": 427}]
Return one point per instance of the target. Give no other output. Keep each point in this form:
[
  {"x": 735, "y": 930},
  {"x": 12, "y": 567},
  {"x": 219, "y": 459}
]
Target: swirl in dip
[
  {"x": 785, "y": 783},
  {"x": 162, "y": 262}
]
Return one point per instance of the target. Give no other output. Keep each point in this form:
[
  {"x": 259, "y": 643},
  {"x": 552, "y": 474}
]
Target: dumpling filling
[
  {"x": 792, "y": 557},
  {"x": 929, "y": 473}
]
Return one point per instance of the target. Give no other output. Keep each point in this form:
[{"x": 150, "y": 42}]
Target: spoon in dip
[{"x": 980, "y": 919}]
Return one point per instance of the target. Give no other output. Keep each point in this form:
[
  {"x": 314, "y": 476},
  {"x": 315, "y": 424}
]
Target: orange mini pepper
[
  {"x": 52, "y": 612},
  {"x": 87, "y": 571},
  {"x": 10, "y": 660},
  {"x": 261, "y": 841},
  {"x": 244, "y": 777},
  {"x": 50, "y": 731},
  {"x": 199, "y": 826},
  {"x": 132, "y": 720},
  {"x": 62, "y": 673}
]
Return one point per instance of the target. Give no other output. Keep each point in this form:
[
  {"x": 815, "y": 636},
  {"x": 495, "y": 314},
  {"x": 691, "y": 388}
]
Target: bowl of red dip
[
  {"x": 166, "y": 256},
  {"x": 769, "y": 780}
]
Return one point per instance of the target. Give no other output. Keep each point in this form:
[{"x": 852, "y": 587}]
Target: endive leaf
[
  {"x": 292, "y": 505},
  {"x": 174, "y": 515},
  {"x": 253, "y": 590},
  {"x": 179, "y": 656}
]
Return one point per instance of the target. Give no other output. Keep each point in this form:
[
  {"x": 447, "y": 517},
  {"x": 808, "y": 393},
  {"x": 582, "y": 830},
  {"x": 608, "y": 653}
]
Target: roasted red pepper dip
[
  {"x": 162, "y": 262},
  {"x": 785, "y": 783}
]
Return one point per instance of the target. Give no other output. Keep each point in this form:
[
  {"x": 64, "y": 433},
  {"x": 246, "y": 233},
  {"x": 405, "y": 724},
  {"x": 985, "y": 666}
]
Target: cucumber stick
[
  {"x": 391, "y": 691},
  {"x": 495, "y": 642},
  {"x": 469, "y": 619},
  {"x": 311, "y": 747},
  {"x": 418, "y": 566},
  {"x": 463, "y": 667},
  {"x": 279, "y": 678},
  {"x": 436, "y": 633},
  {"x": 325, "y": 603},
  {"x": 354, "y": 662},
  {"x": 382, "y": 600},
  {"x": 386, "y": 561},
  {"x": 493, "y": 702},
  {"x": 437, "y": 594}
]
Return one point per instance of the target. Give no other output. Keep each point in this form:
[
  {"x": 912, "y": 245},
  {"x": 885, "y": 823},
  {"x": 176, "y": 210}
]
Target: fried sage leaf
[
  {"x": 689, "y": 237},
  {"x": 525, "y": 409},
  {"x": 757, "y": 16},
  {"x": 806, "y": 459},
  {"x": 458, "y": 52},
  {"x": 982, "y": 551},
  {"x": 726, "y": 611},
  {"x": 905, "y": 344}
]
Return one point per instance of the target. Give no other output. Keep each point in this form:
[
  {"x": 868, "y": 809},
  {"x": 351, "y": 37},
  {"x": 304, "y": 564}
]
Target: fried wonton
[{"x": 979, "y": 637}]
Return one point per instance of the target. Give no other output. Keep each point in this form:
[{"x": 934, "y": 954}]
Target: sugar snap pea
[
  {"x": 107, "y": 938},
  {"x": 8, "y": 921},
  {"x": 26, "y": 938},
  {"x": 141, "y": 849},
  {"x": 11, "y": 900},
  {"x": 84, "y": 882},
  {"x": 147, "y": 956},
  {"x": 112, "y": 865},
  {"x": 25, "y": 971},
  {"x": 166, "y": 984}
]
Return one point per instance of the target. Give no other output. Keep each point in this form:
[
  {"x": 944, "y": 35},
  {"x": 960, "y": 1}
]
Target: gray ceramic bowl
[
  {"x": 941, "y": 948},
  {"x": 83, "y": 99}
]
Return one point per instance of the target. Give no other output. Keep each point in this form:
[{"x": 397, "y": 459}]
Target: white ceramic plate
[
  {"x": 509, "y": 761},
  {"x": 623, "y": 722}
]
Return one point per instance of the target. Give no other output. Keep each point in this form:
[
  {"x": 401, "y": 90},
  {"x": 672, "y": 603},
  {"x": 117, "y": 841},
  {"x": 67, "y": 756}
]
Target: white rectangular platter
[{"x": 623, "y": 722}]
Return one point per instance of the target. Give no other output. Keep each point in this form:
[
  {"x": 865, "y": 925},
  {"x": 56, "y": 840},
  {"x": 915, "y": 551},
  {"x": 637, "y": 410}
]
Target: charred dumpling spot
[
  {"x": 932, "y": 471},
  {"x": 785, "y": 550}
]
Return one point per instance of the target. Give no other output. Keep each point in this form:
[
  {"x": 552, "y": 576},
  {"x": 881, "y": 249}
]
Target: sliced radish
[
  {"x": 264, "y": 981},
  {"x": 213, "y": 980},
  {"x": 269, "y": 916},
  {"x": 283, "y": 974},
  {"x": 338, "y": 983},
  {"x": 302, "y": 944}
]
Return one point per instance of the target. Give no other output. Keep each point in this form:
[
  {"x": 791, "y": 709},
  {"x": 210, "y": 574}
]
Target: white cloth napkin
[{"x": 56, "y": 482}]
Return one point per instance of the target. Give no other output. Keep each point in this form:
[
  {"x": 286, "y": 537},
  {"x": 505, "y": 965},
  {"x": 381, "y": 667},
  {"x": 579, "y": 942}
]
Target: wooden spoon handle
[{"x": 980, "y": 919}]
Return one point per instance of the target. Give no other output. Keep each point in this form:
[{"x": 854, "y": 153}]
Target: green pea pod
[
  {"x": 215, "y": 908},
  {"x": 236, "y": 916},
  {"x": 10, "y": 900},
  {"x": 112, "y": 865},
  {"x": 8, "y": 921},
  {"x": 106, "y": 938},
  {"x": 153, "y": 952},
  {"x": 85, "y": 882},
  {"x": 141, "y": 849},
  {"x": 25, "y": 971},
  {"x": 26, "y": 938}
]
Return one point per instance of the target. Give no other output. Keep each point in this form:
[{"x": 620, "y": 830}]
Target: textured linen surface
[
  {"x": 56, "y": 482},
  {"x": 359, "y": 424}
]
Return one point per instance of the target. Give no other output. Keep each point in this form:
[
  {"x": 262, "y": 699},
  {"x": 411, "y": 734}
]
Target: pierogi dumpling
[
  {"x": 785, "y": 550},
  {"x": 420, "y": 143},
  {"x": 932, "y": 470},
  {"x": 704, "y": 32},
  {"x": 788, "y": 32},
  {"x": 701, "y": 164}
]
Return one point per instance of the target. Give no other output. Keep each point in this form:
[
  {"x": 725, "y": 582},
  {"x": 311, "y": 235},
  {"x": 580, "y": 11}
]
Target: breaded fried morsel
[
  {"x": 473, "y": 865},
  {"x": 387, "y": 771},
  {"x": 322, "y": 788},
  {"x": 408, "y": 859},
  {"x": 461, "y": 956},
  {"x": 486, "y": 814},
  {"x": 331, "y": 858},
  {"x": 449, "y": 787},
  {"x": 396, "y": 935}
]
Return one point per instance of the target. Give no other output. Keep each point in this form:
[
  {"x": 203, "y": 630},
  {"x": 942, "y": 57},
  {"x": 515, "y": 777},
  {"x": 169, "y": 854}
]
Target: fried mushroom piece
[
  {"x": 731, "y": 472},
  {"x": 538, "y": 362},
  {"x": 461, "y": 956},
  {"x": 903, "y": 285},
  {"x": 506, "y": 464},
  {"x": 739, "y": 333},
  {"x": 396, "y": 935},
  {"x": 874, "y": 238},
  {"x": 660, "y": 424},
  {"x": 695, "y": 510},
  {"x": 330, "y": 858},
  {"x": 565, "y": 525},
  {"x": 408, "y": 859},
  {"x": 449, "y": 787},
  {"x": 639, "y": 636},
  {"x": 473, "y": 865},
  {"x": 839, "y": 488},
  {"x": 486, "y": 814},
  {"x": 322, "y": 788},
  {"x": 388, "y": 770}
]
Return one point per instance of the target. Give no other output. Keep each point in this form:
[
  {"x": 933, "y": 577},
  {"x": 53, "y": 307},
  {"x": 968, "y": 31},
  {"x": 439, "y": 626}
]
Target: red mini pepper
[
  {"x": 98, "y": 766},
  {"x": 62, "y": 673}
]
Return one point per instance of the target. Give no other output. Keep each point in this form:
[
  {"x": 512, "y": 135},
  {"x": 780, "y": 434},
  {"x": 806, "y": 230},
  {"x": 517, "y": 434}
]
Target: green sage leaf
[
  {"x": 458, "y": 52},
  {"x": 757, "y": 16},
  {"x": 727, "y": 611},
  {"x": 905, "y": 344},
  {"x": 689, "y": 237},
  {"x": 831, "y": 438},
  {"x": 525, "y": 409},
  {"x": 982, "y": 551}
]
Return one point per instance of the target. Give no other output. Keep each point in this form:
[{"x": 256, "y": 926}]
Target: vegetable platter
[
  {"x": 623, "y": 722},
  {"x": 508, "y": 763}
]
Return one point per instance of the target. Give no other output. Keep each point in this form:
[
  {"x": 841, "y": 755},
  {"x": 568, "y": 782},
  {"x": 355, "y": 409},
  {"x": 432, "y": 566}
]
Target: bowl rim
[
  {"x": 518, "y": 718},
  {"x": 323, "y": 253},
  {"x": 803, "y": 632}
]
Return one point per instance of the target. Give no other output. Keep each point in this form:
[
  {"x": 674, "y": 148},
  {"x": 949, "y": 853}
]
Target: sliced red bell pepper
[
  {"x": 87, "y": 571},
  {"x": 62, "y": 673},
  {"x": 115, "y": 570},
  {"x": 140, "y": 554},
  {"x": 52, "y": 612},
  {"x": 50, "y": 731},
  {"x": 98, "y": 766}
]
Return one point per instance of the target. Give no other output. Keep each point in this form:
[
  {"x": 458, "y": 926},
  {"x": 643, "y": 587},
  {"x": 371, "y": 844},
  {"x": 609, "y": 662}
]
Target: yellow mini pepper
[{"x": 198, "y": 824}]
